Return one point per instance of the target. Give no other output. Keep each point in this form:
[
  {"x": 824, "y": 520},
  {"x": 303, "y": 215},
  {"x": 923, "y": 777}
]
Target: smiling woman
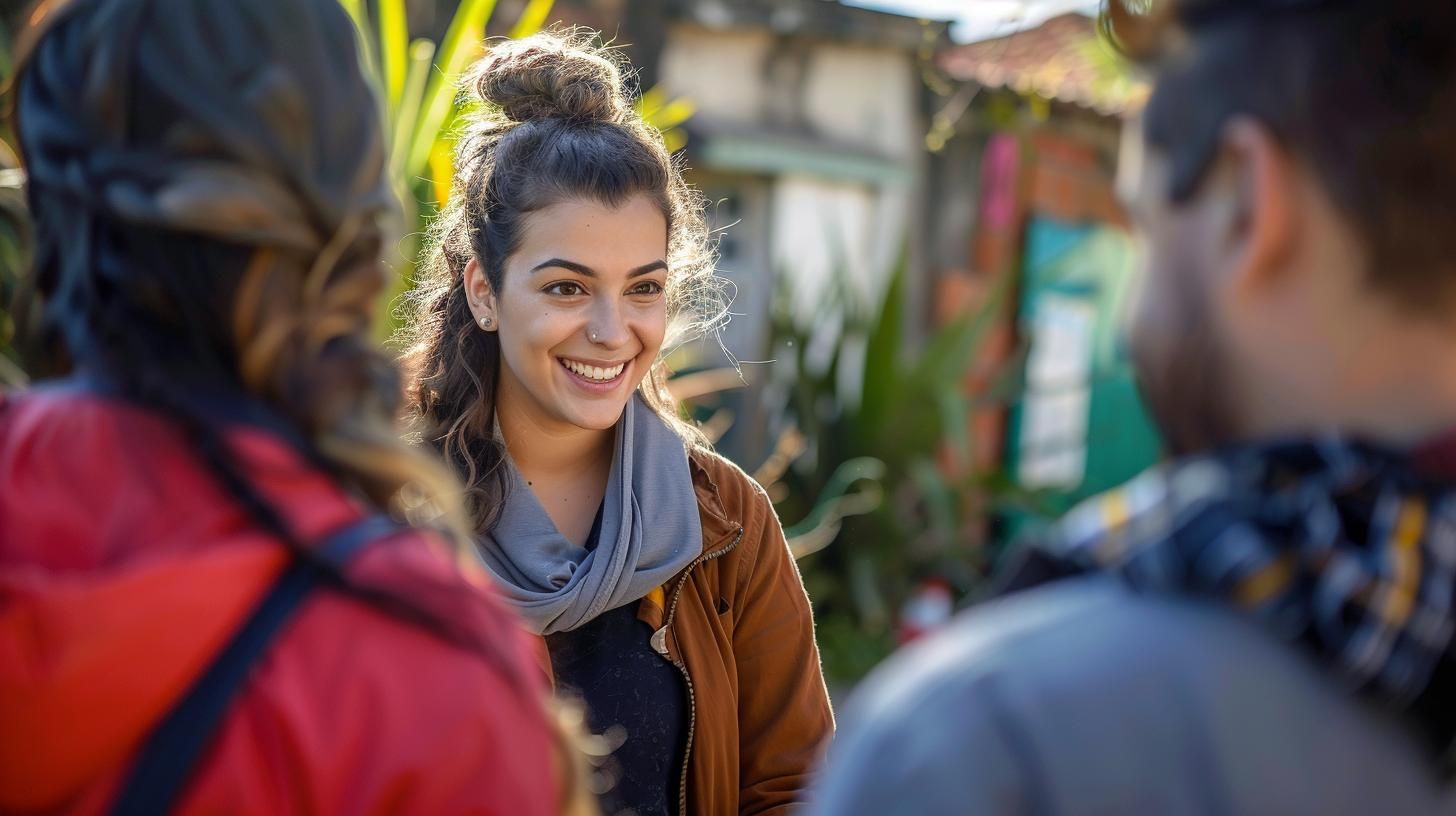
[
  {"x": 655, "y": 573},
  {"x": 581, "y": 315}
]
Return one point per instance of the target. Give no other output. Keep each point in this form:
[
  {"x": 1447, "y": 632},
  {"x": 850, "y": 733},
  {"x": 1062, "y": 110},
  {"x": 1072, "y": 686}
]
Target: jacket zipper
[{"x": 659, "y": 641}]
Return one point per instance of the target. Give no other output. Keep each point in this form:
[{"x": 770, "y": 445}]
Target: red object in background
[
  {"x": 124, "y": 568},
  {"x": 928, "y": 608}
]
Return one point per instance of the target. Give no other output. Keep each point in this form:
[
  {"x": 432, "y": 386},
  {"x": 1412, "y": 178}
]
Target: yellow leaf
[
  {"x": 652, "y": 102},
  {"x": 674, "y": 113},
  {"x": 393, "y": 49},
  {"x": 442, "y": 172}
]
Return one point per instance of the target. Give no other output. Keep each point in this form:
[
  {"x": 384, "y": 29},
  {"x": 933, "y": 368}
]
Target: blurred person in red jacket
[{"x": 209, "y": 602}]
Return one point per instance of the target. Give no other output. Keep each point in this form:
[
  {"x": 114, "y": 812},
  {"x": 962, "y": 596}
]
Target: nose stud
[{"x": 592, "y": 336}]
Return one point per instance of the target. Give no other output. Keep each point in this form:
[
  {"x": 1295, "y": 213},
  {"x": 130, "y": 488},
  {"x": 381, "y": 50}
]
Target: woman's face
[{"x": 581, "y": 312}]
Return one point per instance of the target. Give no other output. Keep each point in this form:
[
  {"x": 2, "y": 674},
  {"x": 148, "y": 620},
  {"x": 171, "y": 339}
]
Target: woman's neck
[
  {"x": 552, "y": 451},
  {"x": 565, "y": 466}
]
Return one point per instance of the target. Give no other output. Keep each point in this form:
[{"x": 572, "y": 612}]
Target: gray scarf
[{"x": 558, "y": 586}]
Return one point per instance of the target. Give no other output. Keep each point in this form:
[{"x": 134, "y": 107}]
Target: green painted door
[{"x": 1079, "y": 427}]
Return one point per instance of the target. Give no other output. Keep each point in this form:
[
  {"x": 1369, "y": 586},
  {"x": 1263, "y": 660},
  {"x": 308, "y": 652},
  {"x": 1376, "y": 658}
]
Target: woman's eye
[
  {"x": 565, "y": 289},
  {"x": 647, "y": 288}
]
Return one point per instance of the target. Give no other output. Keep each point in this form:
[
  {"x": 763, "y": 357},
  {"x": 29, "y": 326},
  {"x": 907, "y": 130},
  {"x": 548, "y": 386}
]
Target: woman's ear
[{"x": 480, "y": 296}]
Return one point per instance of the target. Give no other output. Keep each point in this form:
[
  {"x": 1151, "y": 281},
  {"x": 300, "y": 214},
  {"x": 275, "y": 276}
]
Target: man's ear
[{"x": 1257, "y": 227}]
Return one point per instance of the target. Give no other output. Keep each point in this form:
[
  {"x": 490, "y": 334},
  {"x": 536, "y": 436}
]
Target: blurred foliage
[
  {"x": 419, "y": 81},
  {"x": 873, "y": 469},
  {"x": 1116, "y": 80},
  {"x": 668, "y": 115}
]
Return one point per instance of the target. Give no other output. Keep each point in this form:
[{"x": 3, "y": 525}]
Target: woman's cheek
[{"x": 654, "y": 328}]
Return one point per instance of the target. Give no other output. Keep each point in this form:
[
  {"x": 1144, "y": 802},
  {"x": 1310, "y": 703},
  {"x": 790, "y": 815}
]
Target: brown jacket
[{"x": 737, "y": 622}]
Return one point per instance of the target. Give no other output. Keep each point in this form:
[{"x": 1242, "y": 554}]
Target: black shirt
[{"x": 631, "y": 692}]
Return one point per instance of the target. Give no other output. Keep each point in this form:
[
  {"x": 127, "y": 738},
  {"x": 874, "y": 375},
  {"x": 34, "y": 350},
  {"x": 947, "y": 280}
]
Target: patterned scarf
[{"x": 1345, "y": 548}]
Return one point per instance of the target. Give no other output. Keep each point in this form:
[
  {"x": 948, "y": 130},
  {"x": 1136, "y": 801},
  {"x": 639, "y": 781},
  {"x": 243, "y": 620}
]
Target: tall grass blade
[
  {"x": 533, "y": 18},
  {"x": 393, "y": 50},
  {"x": 463, "y": 42}
]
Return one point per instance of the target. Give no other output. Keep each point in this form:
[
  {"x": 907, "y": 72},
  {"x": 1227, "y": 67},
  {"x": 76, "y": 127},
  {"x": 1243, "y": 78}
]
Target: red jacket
[{"x": 124, "y": 569}]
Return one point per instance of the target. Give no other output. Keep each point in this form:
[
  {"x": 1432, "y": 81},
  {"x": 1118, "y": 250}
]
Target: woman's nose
[{"x": 607, "y": 327}]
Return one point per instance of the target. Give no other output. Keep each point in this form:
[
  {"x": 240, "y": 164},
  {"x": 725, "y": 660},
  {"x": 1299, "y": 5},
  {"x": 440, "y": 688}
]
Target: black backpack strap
[{"x": 167, "y": 758}]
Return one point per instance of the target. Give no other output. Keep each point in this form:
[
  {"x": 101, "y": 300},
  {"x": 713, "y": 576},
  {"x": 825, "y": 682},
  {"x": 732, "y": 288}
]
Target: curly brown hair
[{"x": 555, "y": 123}]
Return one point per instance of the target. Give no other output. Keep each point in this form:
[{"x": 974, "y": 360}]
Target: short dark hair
[{"x": 1362, "y": 91}]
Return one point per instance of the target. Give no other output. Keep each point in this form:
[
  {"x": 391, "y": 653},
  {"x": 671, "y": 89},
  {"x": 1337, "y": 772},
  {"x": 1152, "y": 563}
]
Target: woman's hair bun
[{"x": 551, "y": 75}]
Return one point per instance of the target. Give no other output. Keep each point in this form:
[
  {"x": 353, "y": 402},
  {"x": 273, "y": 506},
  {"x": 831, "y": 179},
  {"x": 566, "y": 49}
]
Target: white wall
[
  {"x": 867, "y": 96},
  {"x": 718, "y": 70},
  {"x": 860, "y": 97},
  {"x": 854, "y": 94},
  {"x": 818, "y": 224}
]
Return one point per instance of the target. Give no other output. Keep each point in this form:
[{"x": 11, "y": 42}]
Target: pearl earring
[{"x": 485, "y": 322}]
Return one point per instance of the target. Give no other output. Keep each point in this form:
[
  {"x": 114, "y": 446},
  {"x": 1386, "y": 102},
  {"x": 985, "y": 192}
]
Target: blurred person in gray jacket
[{"x": 1264, "y": 623}]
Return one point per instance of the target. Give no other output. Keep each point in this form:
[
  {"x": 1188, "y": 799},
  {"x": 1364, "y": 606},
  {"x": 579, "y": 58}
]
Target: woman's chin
[{"x": 594, "y": 417}]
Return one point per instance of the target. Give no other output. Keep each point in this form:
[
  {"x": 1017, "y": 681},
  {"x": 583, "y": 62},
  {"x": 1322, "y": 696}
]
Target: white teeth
[{"x": 595, "y": 372}]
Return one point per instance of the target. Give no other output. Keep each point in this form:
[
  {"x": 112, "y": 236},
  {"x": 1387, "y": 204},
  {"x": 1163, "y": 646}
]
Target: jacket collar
[
  {"x": 719, "y": 535},
  {"x": 719, "y": 530}
]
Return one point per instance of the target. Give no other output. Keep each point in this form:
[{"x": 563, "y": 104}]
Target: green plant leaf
[
  {"x": 442, "y": 171},
  {"x": 533, "y": 18},
  {"x": 829, "y": 507},
  {"x": 355, "y": 8},
  {"x": 865, "y": 592},
  {"x": 651, "y": 101},
  {"x": 364, "y": 33},
  {"x": 673, "y": 114},
  {"x": 955, "y": 421},
  {"x": 882, "y": 352},
  {"x": 421, "y": 53},
  {"x": 929, "y": 405},
  {"x": 393, "y": 50},
  {"x": 667, "y": 115},
  {"x": 462, "y": 43},
  {"x": 675, "y": 139},
  {"x": 936, "y": 494}
]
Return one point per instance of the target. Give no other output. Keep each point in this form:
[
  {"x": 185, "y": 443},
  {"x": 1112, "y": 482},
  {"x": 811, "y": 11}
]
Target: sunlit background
[
  {"x": 973, "y": 20},
  {"x": 915, "y": 202}
]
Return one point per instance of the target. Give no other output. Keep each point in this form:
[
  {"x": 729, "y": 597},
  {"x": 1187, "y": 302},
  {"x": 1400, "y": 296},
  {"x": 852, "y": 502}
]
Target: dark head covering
[{"x": 246, "y": 121}]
